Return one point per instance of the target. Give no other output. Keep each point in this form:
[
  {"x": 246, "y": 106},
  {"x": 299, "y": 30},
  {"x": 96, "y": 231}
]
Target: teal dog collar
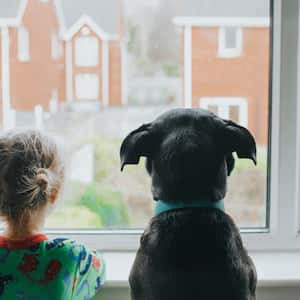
[{"x": 163, "y": 206}]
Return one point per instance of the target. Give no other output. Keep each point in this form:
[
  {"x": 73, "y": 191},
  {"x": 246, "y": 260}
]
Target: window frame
[
  {"x": 56, "y": 47},
  {"x": 283, "y": 219},
  {"x": 23, "y": 47},
  {"x": 225, "y": 52}
]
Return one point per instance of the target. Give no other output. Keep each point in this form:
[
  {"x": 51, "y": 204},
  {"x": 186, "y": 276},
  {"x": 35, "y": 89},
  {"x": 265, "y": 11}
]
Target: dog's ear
[
  {"x": 238, "y": 139},
  {"x": 230, "y": 162},
  {"x": 139, "y": 142}
]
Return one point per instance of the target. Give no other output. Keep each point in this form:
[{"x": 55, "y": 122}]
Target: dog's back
[{"x": 192, "y": 254}]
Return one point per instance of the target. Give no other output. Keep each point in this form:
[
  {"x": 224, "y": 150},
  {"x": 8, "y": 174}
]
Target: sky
[{"x": 133, "y": 6}]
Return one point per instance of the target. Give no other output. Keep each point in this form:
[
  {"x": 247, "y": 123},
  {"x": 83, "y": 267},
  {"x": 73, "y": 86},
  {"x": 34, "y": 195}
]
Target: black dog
[{"x": 190, "y": 252}]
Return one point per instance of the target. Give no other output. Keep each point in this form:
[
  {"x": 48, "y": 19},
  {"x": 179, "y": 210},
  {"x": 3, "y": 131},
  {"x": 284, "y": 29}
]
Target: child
[{"x": 31, "y": 265}]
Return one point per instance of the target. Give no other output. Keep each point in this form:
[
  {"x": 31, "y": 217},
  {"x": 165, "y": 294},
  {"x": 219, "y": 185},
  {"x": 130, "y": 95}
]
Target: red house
[
  {"x": 226, "y": 50},
  {"x": 61, "y": 51}
]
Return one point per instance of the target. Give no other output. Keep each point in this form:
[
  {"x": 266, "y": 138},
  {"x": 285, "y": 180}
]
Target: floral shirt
[{"x": 42, "y": 269}]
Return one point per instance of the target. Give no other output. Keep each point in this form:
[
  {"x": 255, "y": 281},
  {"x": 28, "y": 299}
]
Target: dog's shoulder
[{"x": 202, "y": 234}]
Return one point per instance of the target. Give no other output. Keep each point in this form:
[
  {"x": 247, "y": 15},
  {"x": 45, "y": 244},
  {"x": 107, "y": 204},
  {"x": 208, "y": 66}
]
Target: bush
[
  {"x": 171, "y": 70},
  {"x": 242, "y": 165},
  {"x": 108, "y": 205},
  {"x": 73, "y": 216}
]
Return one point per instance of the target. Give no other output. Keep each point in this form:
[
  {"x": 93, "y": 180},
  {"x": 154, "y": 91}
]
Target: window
[
  {"x": 87, "y": 51},
  {"x": 230, "y": 42},
  {"x": 103, "y": 198},
  {"x": 159, "y": 70},
  {"x": 233, "y": 108},
  {"x": 56, "y": 46},
  {"x": 87, "y": 87},
  {"x": 23, "y": 44}
]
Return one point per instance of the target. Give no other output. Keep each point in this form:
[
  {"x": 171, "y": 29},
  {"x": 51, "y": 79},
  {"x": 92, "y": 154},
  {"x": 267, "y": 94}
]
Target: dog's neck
[{"x": 163, "y": 206}]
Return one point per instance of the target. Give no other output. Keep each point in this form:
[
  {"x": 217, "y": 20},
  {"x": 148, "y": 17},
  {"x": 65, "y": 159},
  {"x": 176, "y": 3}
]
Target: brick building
[
  {"x": 60, "y": 51},
  {"x": 226, "y": 50}
]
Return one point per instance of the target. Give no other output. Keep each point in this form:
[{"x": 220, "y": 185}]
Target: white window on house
[
  {"x": 86, "y": 51},
  {"x": 23, "y": 44},
  {"x": 56, "y": 47},
  {"x": 230, "y": 42},
  {"x": 87, "y": 87},
  {"x": 232, "y": 108}
]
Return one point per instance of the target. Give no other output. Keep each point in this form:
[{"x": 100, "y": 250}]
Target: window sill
[{"x": 275, "y": 269}]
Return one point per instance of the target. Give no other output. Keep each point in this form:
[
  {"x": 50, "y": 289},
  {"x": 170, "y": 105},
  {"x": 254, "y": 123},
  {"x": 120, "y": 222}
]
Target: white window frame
[
  {"x": 226, "y": 52},
  {"x": 80, "y": 57},
  {"x": 283, "y": 231},
  {"x": 56, "y": 46},
  {"x": 23, "y": 44},
  {"x": 224, "y": 103}
]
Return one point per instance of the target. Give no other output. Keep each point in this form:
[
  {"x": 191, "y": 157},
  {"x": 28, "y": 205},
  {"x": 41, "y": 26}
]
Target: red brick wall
[
  {"x": 115, "y": 73},
  {"x": 32, "y": 82},
  {"x": 246, "y": 76}
]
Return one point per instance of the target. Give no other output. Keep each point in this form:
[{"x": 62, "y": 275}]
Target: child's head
[{"x": 31, "y": 174}]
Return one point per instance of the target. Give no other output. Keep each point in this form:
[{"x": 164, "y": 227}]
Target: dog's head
[{"x": 189, "y": 153}]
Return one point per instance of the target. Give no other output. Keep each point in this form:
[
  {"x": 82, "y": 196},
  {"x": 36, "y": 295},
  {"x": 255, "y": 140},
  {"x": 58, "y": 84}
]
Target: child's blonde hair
[{"x": 31, "y": 168}]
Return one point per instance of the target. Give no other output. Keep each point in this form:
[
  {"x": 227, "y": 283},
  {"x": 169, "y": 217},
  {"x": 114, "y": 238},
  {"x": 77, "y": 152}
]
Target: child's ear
[{"x": 54, "y": 195}]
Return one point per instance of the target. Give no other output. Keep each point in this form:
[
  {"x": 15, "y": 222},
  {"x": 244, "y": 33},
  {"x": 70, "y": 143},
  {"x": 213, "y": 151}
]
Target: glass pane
[
  {"x": 87, "y": 86},
  {"x": 136, "y": 60},
  {"x": 230, "y": 37},
  {"x": 86, "y": 51}
]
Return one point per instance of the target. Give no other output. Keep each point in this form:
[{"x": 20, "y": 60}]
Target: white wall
[{"x": 274, "y": 293}]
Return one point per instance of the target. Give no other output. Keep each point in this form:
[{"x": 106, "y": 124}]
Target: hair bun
[{"x": 42, "y": 180}]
